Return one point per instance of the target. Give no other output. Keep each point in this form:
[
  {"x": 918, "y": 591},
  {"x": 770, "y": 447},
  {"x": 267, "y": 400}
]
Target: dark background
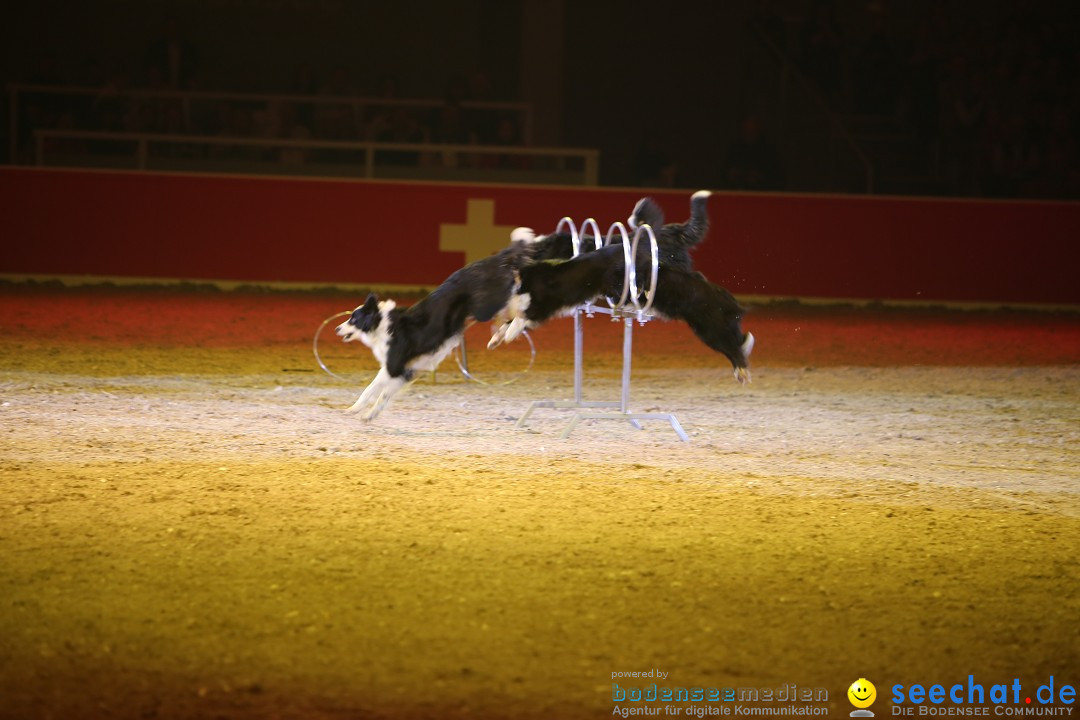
[{"x": 963, "y": 98}]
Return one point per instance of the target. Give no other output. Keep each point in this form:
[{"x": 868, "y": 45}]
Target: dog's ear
[
  {"x": 368, "y": 316},
  {"x": 368, "y": 321},
  {"x": 646, "y": 212}
]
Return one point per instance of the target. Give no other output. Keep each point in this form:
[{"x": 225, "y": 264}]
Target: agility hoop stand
[{"x": 629, "y": 307}]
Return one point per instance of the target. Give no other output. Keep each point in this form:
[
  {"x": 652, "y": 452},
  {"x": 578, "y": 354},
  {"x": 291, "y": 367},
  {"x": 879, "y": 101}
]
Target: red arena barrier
[{"x": 121, "y": 225}]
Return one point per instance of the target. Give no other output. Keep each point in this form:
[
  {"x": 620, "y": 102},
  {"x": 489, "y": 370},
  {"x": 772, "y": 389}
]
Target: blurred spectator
[
  {"x": 753, "y": 163},
  {"x": 304, "y": 81},
  {"x": 654, "y": 165},
  {"x": 109, "y": 108},
  {"x": 876, "y": 74},
  {"x": 769, "y": 22},
  {"x": 388, "y": 86},
  {"x": 450, "y": 126},
  {"x": 1061, "y": 158},
  {"x": 338, "y": 121},
  {"x": 823, "y": 51},
  {"x": 291, "y": 126},
  {"x": 60, "y": 145},
  {"x": 46, "y": 72},
  {"x": 483, "y": 122},
  {"x": 171, "y": 58},
  {"x": 237, "y": 121},
  {"x": 963, "y": 112},
  {"x": 506, "y": 134},
  {"x": 933, "y": 33},
  {"x": 403, "y": 127},
  {"x": 381, "y": 117}
]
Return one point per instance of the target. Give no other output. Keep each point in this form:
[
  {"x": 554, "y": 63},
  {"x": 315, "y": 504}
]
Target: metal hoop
[
  {"x": 575, "y": 239},
  {"x": 631, "y": 271},
  {"x": 315, "y": 343},
  {"x": 626, "y": 261},
  {"x": 470, "y": 376},
  {"x": 597, "y": 242}
]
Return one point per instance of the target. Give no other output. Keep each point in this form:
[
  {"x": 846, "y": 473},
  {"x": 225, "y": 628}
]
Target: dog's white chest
[{"x": 427, "y": 363}]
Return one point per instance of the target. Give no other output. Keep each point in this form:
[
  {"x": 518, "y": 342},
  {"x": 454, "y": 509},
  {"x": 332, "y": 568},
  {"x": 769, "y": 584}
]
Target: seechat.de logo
[{"x": 973, "y": 698}]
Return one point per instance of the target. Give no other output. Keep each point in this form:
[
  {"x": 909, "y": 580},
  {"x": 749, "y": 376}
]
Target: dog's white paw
[
  {"x": 498, "y": 336},
  {"x": 380, "y": 403},
  {"x": 742, "y": 375},
  {"x": 514, "y": 328}
]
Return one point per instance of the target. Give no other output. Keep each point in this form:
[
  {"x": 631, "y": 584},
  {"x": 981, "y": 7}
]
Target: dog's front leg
[
  {"x": 390, "y": 388},
  {"x": 372, "y": 391}
]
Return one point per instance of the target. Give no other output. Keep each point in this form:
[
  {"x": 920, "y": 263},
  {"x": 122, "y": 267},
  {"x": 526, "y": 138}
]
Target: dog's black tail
[{"x": 694, "y": 230}]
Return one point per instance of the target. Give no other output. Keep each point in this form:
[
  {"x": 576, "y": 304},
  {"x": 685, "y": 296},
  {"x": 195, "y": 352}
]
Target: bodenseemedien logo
[
  {"x": 699, "y": 701},
  {"x": 862, "y": 695}
]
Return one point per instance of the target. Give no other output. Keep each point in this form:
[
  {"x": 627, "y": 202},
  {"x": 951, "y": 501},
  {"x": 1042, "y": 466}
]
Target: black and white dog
[
  {"x": 406, "y": 341},
  {"x": 549, "y": 289}
]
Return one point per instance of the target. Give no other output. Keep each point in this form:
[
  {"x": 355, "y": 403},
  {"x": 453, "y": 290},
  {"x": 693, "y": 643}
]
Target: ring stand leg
[
  {"x": 624, "y": 402},
  {"x": 578, "y": 401}
]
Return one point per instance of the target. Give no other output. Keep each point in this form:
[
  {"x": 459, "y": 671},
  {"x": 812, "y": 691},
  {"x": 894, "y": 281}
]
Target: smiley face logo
[{"x": 862, "y": 693}]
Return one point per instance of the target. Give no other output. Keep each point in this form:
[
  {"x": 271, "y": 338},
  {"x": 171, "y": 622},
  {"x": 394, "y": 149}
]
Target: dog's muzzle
[{"x": 346, "y": 331}]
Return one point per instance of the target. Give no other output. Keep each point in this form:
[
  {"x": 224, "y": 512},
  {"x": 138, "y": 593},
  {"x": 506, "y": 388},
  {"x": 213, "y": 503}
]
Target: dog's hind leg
[
  {"x": 515, "y": 328},
  {"x": 508, "y": 332},
  {"x": 498, "y": 336}
]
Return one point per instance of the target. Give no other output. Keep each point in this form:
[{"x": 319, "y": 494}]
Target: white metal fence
[{"x": 70, "y": 135}]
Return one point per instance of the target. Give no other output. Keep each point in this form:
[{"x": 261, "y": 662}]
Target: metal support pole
[
  {"x": 579, "y": 351},
  {"x": 627, "y": 353},
  {"x": 13, "y": 125}
]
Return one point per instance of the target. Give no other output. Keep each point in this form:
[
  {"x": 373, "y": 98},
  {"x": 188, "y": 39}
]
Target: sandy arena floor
[{"x": 190, "y": 526}]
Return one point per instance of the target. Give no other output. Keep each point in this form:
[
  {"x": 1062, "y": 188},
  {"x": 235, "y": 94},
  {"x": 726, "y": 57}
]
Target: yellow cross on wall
[{"x": 479, "y": 237}]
